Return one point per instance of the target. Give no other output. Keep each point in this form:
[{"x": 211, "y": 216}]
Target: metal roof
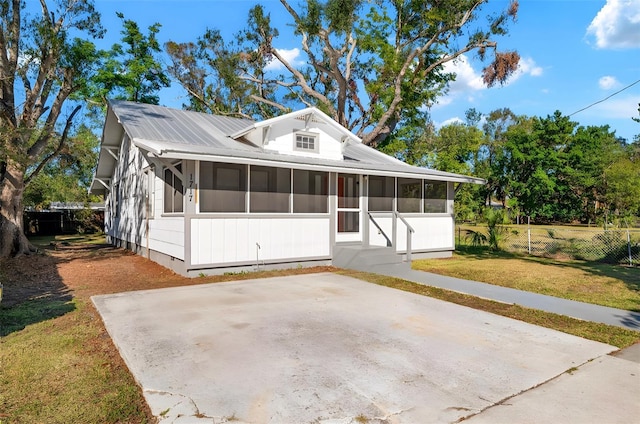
[
  {"x": 179, "y": 134},
  {"x": 177, "y": 126}
]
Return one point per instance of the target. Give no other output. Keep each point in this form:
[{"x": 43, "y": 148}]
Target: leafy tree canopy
[
  {"x": 131, "y": 69},
  {"x": 371, "y": 65},
  {"x": 46, "y": 61}
]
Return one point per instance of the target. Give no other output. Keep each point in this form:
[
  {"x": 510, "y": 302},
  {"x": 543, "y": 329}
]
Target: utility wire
[{"x": 605, "y": 99}]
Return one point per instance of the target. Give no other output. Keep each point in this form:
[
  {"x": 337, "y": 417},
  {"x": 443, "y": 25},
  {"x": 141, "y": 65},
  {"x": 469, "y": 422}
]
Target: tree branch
[
  {"x": 56, "y": 152},
  {"x": 268, "y": 102},
  {"x": 54, "y": 112},
  {"x": 302, "y": 82}
]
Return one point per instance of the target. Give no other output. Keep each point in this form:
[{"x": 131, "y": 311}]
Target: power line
[{"x": 605, "y": 99}]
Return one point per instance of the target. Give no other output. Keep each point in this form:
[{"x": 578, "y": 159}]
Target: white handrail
[
  {"x": 394, "y": 230},
  {"x": 410, "y": 231}
]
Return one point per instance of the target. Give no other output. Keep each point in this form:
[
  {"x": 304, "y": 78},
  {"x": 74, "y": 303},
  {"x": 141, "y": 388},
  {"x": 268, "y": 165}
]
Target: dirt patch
[
  {"x": 83, "y": 270},
  {"x": 79, "y": 271}
]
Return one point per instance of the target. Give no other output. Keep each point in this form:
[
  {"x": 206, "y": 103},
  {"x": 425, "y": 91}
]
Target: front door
[{"x": 349, "y": 208}]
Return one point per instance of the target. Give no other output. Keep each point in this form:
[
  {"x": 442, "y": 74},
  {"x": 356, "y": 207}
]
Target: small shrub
[
  {"x": 476, "y": 238},
  {"x": 497, "y": 232}
]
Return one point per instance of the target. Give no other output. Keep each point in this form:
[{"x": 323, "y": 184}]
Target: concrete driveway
[{"x": 325, "y": 348}]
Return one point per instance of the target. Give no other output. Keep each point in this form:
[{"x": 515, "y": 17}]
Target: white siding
[
  {"x": 127, "y": 219},
  {"x": 166, "y": 235},
  {"x": 282, "y": 140},
  {"x": 431, "y": 232},
  {"x": 124, "y": 218},
  {"x": 229, "y": 240}
]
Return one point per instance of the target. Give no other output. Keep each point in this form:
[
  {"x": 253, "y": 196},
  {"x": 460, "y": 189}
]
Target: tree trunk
[{"x": 13, "y": 242}]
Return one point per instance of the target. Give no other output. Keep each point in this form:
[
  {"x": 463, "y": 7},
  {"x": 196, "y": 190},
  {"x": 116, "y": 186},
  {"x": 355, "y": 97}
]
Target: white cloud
[
  {"x": 291, "y": 56},
  {"x": 466, "y": 77},
  {"x": 608, "y": 82},
  {"x": 615, "y": 108},
  {"x": 469, "y": 81},
  {"x": 617, "y": 25},
  {"x": 454, "y": 120},
  {"x": 625, "y": 107},
  {"x": 528, "y": 66}
]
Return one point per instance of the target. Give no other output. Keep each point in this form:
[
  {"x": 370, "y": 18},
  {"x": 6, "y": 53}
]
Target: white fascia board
[
  {"x": 319, "y": 167},
  {"x": 168, "y": 151},
  {"x": 350, "y": 136},
  {"x": 293, "y": 115},
  {"x": 271, "y": 121},
  {"x": 151, "y": 146}
]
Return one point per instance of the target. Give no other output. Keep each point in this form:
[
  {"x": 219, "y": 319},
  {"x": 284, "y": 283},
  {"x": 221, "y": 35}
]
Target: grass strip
[
  {"x": 64, "y": 369},
  {"x": 614, "y": 286},
  {"x": 615, "y": 336}
]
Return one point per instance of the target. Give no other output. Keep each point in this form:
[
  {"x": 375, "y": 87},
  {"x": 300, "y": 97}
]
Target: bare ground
[{"x": 83, "y": 270}]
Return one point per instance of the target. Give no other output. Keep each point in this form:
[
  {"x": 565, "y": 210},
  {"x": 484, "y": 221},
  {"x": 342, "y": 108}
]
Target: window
[
  {"x": 435, "y": 196},
  {"x": 173, "y": 191},
  {"x": 381, "y": 193},
  {"x": 223, "y": 187},
  {"x": 307, "y": 142},
  {"x": 409, "y": 194},
  {"x": 270, "y": 189},
  {"x": 310, "y": 191}
]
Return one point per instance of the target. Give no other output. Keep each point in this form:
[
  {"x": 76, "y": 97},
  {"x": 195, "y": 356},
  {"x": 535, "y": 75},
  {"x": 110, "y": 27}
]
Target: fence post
[
  {"x": 629, "y": 247},
  {"x": 529, "y": 234}
]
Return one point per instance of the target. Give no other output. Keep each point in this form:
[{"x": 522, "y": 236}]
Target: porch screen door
[{"x": 349, "y": 208}]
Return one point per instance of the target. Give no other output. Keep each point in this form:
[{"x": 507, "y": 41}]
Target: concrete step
[{"x": 362, "y": 258}]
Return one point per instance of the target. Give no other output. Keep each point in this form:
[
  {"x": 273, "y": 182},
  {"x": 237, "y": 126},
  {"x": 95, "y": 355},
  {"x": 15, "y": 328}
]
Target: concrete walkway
[{"x": 580, "y": 310}]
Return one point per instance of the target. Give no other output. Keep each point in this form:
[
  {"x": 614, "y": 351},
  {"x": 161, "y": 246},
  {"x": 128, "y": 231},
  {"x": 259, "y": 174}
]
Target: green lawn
[
  {"x": 63, "y": 369},
  {"x": 609, "y": 285}
]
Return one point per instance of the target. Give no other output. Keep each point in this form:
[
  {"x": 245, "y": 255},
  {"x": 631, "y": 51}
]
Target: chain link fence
[{"x": 615, "y": 246}]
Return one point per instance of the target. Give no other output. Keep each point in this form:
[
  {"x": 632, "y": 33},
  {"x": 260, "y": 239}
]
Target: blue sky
[{"x": 574, "y": 53}]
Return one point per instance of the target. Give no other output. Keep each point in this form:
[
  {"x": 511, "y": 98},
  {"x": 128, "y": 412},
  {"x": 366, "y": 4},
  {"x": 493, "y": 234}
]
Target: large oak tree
[
  {"x": 46, "y": 58},
  {"x": 371, "y": 65}
]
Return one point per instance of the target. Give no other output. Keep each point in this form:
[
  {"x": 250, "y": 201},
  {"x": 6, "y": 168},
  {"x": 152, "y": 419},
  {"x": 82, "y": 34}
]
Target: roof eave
[
  {"x": 296, "y": 163},
  {"x": 294, "y": 115}
]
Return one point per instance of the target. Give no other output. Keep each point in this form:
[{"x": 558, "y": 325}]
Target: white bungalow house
[{"x": 205, "y": 194}]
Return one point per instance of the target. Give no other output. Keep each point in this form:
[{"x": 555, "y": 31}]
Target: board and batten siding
[
  {"x": 125, "y": 203},
  {"x": 166, "y": 235},
  {"x": 431, "y": 232},
  {"x": 233, "y": 240}
]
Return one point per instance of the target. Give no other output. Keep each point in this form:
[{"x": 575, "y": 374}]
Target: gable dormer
[{"x": 309, "y": 133}]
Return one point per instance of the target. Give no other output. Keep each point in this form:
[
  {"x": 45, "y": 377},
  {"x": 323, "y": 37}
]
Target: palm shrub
[
  {"x": 497, "y": 233},
  {"x": 476, "y": 237}
]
